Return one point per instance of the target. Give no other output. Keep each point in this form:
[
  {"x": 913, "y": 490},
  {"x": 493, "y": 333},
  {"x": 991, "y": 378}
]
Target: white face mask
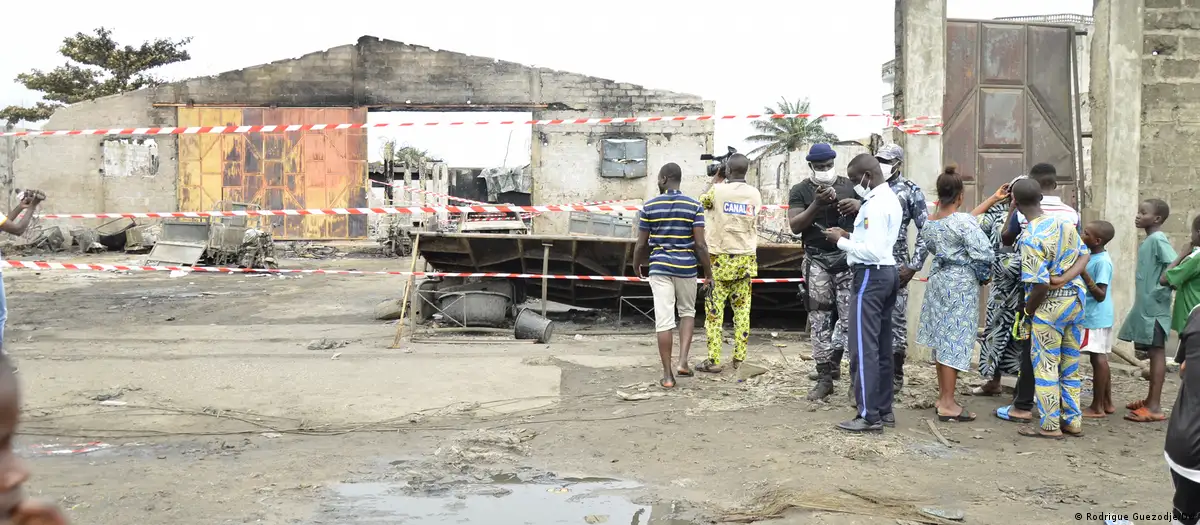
[
  {"x": 861, "y": 189},
  {"x": 824, "y": 177}
]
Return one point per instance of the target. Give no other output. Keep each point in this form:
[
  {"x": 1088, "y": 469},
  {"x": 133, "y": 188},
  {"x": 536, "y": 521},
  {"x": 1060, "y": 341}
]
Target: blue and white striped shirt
[{"x": 670, "y": 219}]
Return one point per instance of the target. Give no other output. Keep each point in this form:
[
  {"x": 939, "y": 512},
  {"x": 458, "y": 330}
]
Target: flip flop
[
  {"x": 1136, "y": 404},
  {"x": 1073, "y": 434},
  {"x": 1033, "y": 433},
  {"x": 1101, "y": 415},
  {"x": 709, "y": 367},
  {"x": 962, "y": 417},
  {"x": 1144, "y": 415},
  {"x": 978, "y": 391},
  {"x": 683, "y": 372},
  {"x": 663, "y": 383},
  {"x": 1002, "y": 413}
]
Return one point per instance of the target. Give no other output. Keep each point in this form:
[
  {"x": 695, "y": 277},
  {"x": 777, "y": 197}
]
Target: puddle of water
[{"x": 507, "y": 500}]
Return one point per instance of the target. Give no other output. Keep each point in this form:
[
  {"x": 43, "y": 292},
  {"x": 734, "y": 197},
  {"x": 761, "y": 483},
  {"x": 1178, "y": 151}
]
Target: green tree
[
  {"x": 96, "y": 66},
  {"x": 785, "y": 135}
]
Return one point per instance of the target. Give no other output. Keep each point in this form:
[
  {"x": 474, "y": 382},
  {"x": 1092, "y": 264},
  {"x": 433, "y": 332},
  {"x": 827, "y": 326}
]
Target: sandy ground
[{"x": 215, "y": 400}]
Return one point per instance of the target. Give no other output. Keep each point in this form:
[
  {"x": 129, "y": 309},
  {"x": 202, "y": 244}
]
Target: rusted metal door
[
  {"x": 283, "y": 170},
  {"x": 1011, "y": 102}
]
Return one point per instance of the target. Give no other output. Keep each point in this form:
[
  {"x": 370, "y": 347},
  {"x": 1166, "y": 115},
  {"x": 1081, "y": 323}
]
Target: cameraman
[
  {"x": 732, "y": 213},
  {"x": 824, "y": 200}
]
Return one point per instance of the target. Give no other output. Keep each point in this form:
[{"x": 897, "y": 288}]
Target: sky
[{"x": 744, "y": 59}]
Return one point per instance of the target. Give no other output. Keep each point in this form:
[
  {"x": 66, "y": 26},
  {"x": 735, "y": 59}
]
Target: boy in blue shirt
[{"x": 1098, "y": 317}]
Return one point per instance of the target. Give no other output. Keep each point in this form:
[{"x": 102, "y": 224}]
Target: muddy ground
[{"x": 264, "y": 399}]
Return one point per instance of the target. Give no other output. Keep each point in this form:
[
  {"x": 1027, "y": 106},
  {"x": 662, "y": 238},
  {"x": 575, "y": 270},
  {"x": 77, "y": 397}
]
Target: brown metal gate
[{"x": 1011, "y": 102}]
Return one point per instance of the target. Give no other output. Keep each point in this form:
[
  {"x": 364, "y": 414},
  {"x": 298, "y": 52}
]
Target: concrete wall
[
  {"x": 1117, "y": 152},
  {"x": 71, "y": 169},
  {"x": 386, "y": 75},
  {"x": 1170, "y": 126}
]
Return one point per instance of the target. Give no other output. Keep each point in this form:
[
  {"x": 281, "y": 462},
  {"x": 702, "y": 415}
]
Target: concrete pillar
[
  {"x": 921, "y": 88},
  {"x": 1116, "y": 93}
]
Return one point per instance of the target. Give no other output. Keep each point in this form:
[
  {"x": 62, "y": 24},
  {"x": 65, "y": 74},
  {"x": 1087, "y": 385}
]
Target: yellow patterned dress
[{"x": 1049, "y": 248}]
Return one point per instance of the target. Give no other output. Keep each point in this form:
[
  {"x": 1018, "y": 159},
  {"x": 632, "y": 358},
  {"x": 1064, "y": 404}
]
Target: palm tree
[{"x": 785, "y": 135}]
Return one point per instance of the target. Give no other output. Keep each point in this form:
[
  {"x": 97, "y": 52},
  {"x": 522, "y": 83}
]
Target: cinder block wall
[
  {"x": 375, "y": 72},
  {"x": 1170, "y": 161}
]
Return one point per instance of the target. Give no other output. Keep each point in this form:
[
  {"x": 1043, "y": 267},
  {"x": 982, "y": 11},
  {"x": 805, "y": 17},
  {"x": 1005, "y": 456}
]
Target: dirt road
[{"x": 264, "y": 399}]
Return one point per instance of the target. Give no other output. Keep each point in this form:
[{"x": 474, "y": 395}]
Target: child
[
  {"x": 1098, "y": 317},
  {"x": 1182, "y": 448},
  {"x": 1183, "y": 276},
  {"x": 1148, "y": 321},
  {"x": 14, "y": 508}
]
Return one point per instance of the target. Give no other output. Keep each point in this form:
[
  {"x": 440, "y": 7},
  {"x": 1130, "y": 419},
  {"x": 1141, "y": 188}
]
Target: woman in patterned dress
[
  {"x": 998, "y": 353},
  {"x": 962, "y": 258}
]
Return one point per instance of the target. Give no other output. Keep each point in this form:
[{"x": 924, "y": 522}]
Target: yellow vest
[{"x": 730, "y": 227}]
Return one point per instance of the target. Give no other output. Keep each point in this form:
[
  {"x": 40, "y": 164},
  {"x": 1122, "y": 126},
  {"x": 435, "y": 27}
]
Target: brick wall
[
  {"x": 376, "y": 72},
  {"x": 1171, "y": 111}
]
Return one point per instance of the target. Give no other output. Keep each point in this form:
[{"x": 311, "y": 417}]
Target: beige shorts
[
  {"x": 671, "y": 294},
  {"x": 1096, "y": 340}
]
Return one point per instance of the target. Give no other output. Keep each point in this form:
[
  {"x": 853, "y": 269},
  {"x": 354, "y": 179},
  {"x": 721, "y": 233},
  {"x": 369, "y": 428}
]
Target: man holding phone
[{"x": 826, "y": 199}]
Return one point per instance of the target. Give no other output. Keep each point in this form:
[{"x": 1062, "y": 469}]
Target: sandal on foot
[
  {"x": 1144, "y": 415},
  {"x": 1094, "y": 415},
  {"x": 1003, "y": 413},
  {"x": 684, "y": 371},
  {"x": 709, "y": 367},
  {"x": 666, "y": 383},
  {"x": 1076, "y": 434},
  {"x": 1136, "y": 404},
  {"x": 1034, "y": 433},
  {"x": 964, "y": 416}
]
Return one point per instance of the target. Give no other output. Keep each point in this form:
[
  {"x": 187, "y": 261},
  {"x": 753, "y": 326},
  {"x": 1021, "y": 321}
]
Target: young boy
[
  {"x": 1098, "y": 317},
  {"x": 1183, "y": 276},
  {"x": 14, "y": 508},
  {"x": 1182, "y": 449},
  {"x": 1148, "y": 321}
]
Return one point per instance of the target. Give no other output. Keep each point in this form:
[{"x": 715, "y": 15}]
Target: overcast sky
[{"x": 743, "y": 55}]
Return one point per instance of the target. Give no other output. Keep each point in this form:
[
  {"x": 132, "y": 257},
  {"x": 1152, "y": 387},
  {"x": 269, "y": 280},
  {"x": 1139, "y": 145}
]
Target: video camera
[{"x": 718, "y": 163}]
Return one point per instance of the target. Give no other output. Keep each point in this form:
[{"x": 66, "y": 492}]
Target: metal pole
[{"x": 545, "y": 273}]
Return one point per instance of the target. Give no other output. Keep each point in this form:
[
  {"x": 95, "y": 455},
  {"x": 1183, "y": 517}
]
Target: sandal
[
  {"x": 709, "y": 367},
  {"x": 1136, "y": 404},
  {"x": 666, "y": 383},
  {"x": 1034, "y": 433},
  {"x": 1144, "y": 415},
  {"x": 1076, "y": 434},
  {"x": 964, "y": 416},
  {"x": 1003, "y": 411},
  {"x": 683, "y": 371}
]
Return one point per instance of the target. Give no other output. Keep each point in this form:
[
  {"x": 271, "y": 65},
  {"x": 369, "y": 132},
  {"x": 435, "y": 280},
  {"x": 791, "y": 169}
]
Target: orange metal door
[{"x": 279, "y": 170}]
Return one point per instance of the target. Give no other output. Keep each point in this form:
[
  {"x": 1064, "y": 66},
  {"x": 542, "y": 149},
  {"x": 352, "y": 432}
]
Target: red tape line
[
  {"x": 393, "y": 210},
  {"x": 43, "y": 265},
  {"x": 217, "y": 130}
]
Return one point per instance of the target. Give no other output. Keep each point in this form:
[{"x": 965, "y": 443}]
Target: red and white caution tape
[
  {"x": 43, "y": 265},
  {"x": 394, "y": 210},
  {"x": 270, "y": 128}
]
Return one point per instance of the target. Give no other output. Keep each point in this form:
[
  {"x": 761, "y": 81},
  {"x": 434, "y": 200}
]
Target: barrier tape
[
  {"x": 43, "y": 265},
  {"x": 217, "y": 130},
  {"x": 360, "y": 211}
]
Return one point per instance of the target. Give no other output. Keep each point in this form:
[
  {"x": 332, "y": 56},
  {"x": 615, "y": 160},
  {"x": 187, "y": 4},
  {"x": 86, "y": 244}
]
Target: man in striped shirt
[{"x": 671, "y": 226}]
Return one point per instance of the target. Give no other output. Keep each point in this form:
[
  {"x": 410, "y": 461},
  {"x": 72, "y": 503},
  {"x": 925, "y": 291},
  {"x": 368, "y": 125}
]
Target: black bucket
[{"x": 531, "y": 326}]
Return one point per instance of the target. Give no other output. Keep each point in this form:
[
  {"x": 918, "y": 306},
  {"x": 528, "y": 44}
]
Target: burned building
[{"x": 328, "y": 168}]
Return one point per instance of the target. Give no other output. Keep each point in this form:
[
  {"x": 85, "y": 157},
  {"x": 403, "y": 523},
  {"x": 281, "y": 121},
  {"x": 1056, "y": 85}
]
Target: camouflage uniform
[
  {"x": 828, "y": 310},
  {"x": 912, "y": 201}
]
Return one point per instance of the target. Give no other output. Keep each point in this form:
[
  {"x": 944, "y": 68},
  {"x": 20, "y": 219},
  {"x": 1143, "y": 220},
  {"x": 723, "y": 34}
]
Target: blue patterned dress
[{"x": 962, "y": 257}]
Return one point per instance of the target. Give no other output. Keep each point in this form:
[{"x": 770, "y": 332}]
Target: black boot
[
  {"x": 824, "y": 385},
  {"x": 898, "y": 374},
  {"x": 835, "y": 359}
]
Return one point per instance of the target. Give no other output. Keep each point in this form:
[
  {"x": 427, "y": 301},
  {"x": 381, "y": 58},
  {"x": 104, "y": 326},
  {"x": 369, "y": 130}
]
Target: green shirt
[
  {"x": 1185, "y": 278},
  {"x": 1151, "y": 300}
]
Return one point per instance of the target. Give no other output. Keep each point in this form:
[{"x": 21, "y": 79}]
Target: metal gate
[
  {"x": 1011, "y": 102},
  {"x": 278, "y": 170}
]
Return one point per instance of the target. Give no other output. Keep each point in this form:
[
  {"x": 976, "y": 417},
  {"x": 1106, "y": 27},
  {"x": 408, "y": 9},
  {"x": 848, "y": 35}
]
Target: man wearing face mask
[
  {"x": 875, "y": 283},
  {"x": 815, "y": 204},
  {"x": 916, "y": 212}
]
